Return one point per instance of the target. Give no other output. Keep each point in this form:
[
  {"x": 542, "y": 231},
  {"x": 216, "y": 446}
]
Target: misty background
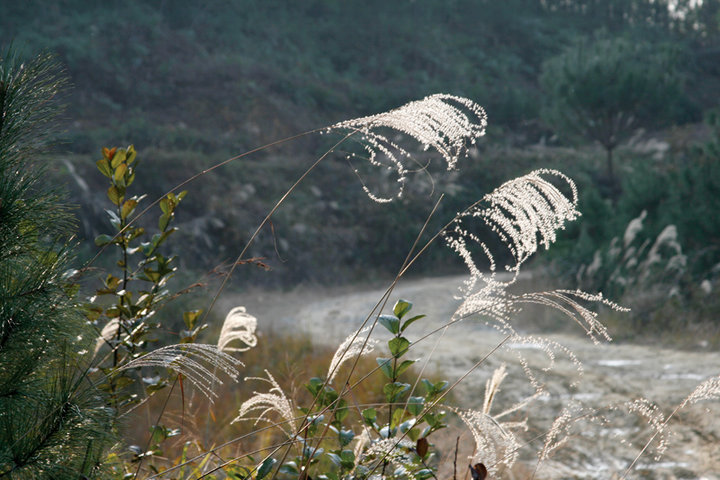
[{"x": 620, "y": 95}]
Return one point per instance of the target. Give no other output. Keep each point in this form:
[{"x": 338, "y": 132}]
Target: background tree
[
  {"x": 603, "y": 90},
  {"x": 53, "y": 423}
]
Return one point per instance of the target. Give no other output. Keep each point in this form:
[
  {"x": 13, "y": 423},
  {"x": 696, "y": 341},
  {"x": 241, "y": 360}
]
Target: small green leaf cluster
[
  {"x": 124, "y": 309},
  {"x": 408, "y": 419},
  {"x": 405, "y": 420}
]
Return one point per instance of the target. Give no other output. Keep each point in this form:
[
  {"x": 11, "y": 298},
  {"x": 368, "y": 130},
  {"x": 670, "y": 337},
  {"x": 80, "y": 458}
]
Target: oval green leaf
[
  {"x": 265, "y": 468},
  {"x": 390, "y": 322},
  {"x": 401, "y": 308},
  {"x": 410, "y": 321},
  {"x": 385, "y": 366},
  {"x": 403, "y": 366},
  {"x": 398, "y": 346},
  {"x": 104, "y": 166}
]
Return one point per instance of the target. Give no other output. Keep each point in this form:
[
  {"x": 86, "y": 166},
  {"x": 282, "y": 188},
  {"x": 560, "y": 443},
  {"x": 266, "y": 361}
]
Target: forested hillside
[
  {"x": 193, "y": 83},
  {"x": 222, "y": 74}
]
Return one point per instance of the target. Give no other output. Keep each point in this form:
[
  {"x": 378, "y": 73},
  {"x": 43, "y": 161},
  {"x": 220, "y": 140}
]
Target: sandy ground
[{"x": 611, "y": 375}]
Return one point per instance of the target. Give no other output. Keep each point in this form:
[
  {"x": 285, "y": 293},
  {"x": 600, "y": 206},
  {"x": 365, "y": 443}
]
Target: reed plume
[
  {"x": 191, "y": 360},
  {"x": 445, "y": 123}
]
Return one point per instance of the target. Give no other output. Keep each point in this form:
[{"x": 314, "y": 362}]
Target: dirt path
[{"x": 612, "y": 374}]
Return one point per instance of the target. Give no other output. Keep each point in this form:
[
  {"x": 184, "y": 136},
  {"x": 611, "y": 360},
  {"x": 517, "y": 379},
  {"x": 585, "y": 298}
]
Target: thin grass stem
[
  {"x": 269, "y": 215},
  {"x": 193, "y": 178},
  {"x": 157, "y": 422},
  {"x": 647, "y": 444}
]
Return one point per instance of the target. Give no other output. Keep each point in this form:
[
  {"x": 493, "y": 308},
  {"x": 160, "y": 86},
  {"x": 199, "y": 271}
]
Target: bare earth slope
[{"x": 612, "y": 374}]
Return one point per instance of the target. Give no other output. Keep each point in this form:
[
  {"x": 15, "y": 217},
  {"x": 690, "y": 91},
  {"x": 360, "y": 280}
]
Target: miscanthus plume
[
  {"x": 198, "y": 363},
  {"x": 444, "y": 123},
  {"x": 239, "y": 327},
  {"x": 273, "y": 401}
]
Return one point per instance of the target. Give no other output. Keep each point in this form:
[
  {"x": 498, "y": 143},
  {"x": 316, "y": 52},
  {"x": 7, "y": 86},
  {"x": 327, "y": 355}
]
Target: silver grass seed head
[
  {"x": 196, "y": 362},
  {"x": 239, "y": 326},
  {"x": 107, "y": 334},
  {"x": 446, "y": 123},
  {"x": 495, "y": 445},
  {"x": 655, "y": 419},
  {"x": 354, "y": 345},
  {"x": 559, "y": 432},
  {"x": 707, "y": 390},
  {"x": 524, "y": 213},
  {"x": 274, "y": 400},
  {"x": 492, "y": 386}
]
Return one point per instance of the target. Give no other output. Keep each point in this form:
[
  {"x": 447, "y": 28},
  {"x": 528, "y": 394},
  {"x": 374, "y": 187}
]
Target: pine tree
[
  {"x": 604, "y": 89},
  {"x": 53, "y": 423}
]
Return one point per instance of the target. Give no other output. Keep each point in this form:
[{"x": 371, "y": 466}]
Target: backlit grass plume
[
  {"x": 707, "y": 390},
  {"x": 568, "y": 303},
  {"x": 445, "y": 123},
  {"x": 239, "y": 326},
  {"x": 495, "y": 441},
  {"x": 355, "y": 344},
  {"x": 192, "y": 361},
  {"x": 107, "y": 334},
  {"x": 525, "y": 213},
  {"x": 274, "y": 400}
]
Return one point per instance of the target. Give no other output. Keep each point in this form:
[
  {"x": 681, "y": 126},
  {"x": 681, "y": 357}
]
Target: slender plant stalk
[
  {"x": 270, "y": 214},
  {"x": 264, "y": 222},
  {"x": 457, "y": 446},
  {"x": 647, "y": 444},
  {"x": 157, "y": 422}
]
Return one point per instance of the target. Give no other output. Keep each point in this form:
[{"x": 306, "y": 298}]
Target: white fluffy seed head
[
  {"x": 656, "y": 421},
  {"x": 568, "y": 302},
  {"x": 107, "y": 334},
  {"x": 196, "y": 362},
  {"x": 355, "y": 344},
  {"x": 495, "y": 444},
  {"x": 524, "y": 213},
  {"x": 707, "y": 390},
  {"x": 239, "y": 326},
  {"x": 492, "y": 386},
  {"x": 262, "y": 404},
  {"x": 445, "y": 123},
  {"x": 559, "y": 432}
]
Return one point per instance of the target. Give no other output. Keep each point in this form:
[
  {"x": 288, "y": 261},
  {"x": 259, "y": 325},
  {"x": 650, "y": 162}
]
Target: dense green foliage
[{"x": 53, "y": 423}]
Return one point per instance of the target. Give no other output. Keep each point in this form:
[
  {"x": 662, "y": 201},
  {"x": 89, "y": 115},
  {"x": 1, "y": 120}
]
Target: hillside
[
  {"x": 191, "y": 84},
  {"x": 232, "y": 75}
]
